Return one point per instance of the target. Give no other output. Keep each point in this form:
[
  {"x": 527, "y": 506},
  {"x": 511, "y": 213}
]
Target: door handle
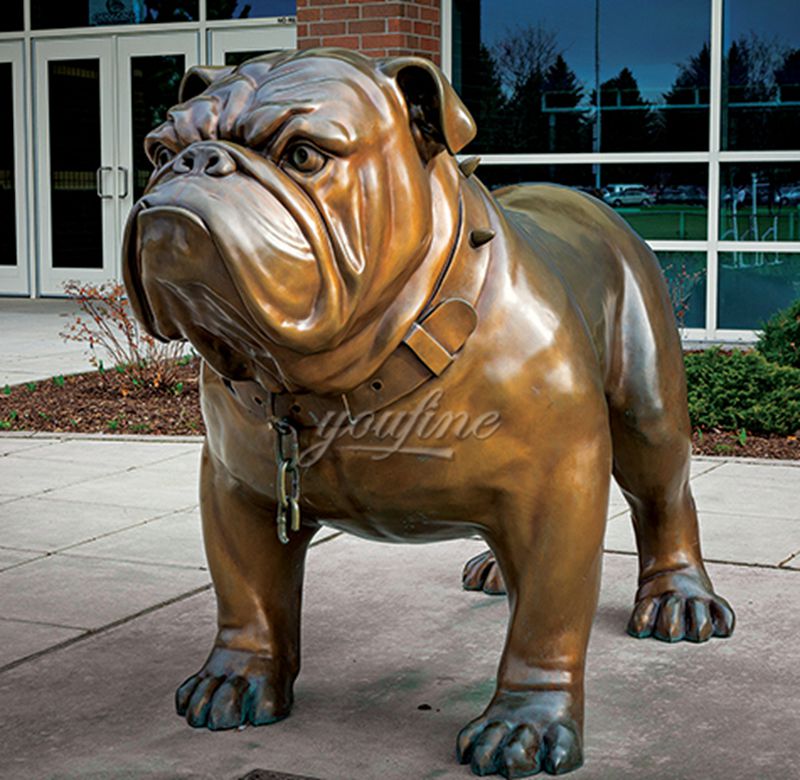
[
  {"x": 125, "y": 188},
  {"x": 99, "y": 181}
]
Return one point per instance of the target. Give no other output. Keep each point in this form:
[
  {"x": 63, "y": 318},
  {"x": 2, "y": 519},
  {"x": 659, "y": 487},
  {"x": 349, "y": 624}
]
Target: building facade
[{"x": 683, "y": 115}]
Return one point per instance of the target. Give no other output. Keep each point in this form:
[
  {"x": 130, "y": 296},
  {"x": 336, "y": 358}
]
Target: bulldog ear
[
  {"x": 198, "y": 78},
  {"x": 439, "y": 119}
]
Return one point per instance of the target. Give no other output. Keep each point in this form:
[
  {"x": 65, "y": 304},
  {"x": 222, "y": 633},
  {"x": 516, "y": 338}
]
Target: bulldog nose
[{"x": 209, "y": 160}]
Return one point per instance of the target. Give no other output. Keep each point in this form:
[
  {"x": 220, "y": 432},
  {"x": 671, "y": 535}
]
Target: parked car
[
  {"x": 789, "y": 195},
  {"x": 618, "y": 195},
  {"x": 688, "y": 194}
]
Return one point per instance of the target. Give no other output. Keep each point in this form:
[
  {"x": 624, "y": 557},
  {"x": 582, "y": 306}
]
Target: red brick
[
  {"x": 309, "y": 15},
  {"x": 309, "y": 43},
  {"x": 385, "y": 40},
  {"x": 430, "y": 44},
  {"x": 341, "y": 12},
  {"x": 342, "y": 41},
  {"x": 367, "y": 26},
  {"x": 429, "y": 14},
  {"x": 399, "y": 25},
  {"x": 423, "y": 28},
  {"x": 383, "y": 9},
  {"x": 329, "y": 28}
]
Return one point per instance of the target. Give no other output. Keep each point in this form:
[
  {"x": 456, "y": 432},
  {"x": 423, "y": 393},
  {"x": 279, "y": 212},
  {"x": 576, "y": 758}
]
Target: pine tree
[
  {"x": 687, "y": 128},
  {"x": 627, "y": 123},
  {"x": 567, "y": 129}
]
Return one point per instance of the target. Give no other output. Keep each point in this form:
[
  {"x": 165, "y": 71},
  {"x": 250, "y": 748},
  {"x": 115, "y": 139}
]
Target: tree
[
  {"x": 627, "y": 123},
  {"x": 523, "y": 59},
  {"x": 482, "y": 92},
  {"x": 786, "y": 124},
  {"x": 685, "y": 128},
  {"x": 568, "y": 131}
]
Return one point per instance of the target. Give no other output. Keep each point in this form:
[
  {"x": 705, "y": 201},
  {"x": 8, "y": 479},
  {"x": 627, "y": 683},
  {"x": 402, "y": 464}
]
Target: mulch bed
[{"x": 104, "y": 403}]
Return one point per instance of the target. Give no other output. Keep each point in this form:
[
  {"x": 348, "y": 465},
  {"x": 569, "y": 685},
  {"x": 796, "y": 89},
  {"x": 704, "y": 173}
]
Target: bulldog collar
[{"x": 426, "y": 351}]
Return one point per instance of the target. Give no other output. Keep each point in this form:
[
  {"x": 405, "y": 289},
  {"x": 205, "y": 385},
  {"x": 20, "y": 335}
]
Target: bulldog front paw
[
  {"x": 483, "y": 573},
  {"x": 521, "y": 734},
  {"x": 680, "y": 605},
  {"x": 232, "y": 689}
]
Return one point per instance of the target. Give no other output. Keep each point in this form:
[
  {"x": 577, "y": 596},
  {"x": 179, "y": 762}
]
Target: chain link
[{"x": 287, "y": 458}]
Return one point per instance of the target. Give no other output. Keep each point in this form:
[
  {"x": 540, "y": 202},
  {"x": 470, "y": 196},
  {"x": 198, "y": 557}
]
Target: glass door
[
  {"x": 150, "y": 71},
  {"x": 232, "y": 47},
  {"x": 96, "y": 100},
  {"x": 77, "y": 185},
  {"x": 13, "y": 236}
]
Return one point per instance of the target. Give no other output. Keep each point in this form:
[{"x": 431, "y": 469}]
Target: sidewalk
[
  {"x": 105, "y": 606},
  {"x": 31, "y": 346}
]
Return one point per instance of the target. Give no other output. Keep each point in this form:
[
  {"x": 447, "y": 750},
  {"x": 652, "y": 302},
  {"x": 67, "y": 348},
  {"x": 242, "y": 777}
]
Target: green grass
[
  {"x": 670, "y": 222},
  {"x": 763, "y": 228},
  {"x": 667, "y": 222}
]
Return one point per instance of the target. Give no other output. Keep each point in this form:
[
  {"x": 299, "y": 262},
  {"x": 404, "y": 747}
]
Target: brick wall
[{"x": 375, "y": 28}]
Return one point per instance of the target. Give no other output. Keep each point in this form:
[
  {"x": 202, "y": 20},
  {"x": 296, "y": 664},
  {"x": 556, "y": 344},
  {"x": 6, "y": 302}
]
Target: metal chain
[{"x": 287, "y": 458}]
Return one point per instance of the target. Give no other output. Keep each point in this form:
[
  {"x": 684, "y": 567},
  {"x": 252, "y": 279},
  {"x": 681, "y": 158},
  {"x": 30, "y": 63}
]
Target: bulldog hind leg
[
  {"x": 250, "y": 672},
  {"x": 675, "y": 599},
  {"x": 651, "y": 437},
  {"x": 483, "y": 573}
]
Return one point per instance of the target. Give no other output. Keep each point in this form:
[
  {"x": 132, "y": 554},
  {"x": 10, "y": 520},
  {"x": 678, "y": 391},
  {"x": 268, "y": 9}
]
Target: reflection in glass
[
  {"x": 98, "y": 13},
  {"x": 666, "y": 202},
  {"x": 238, "y": 57},
  {"x": 754, "y": 285},
  {"x": 11, "y": 19},
  {"x": 75, "y": 209},
  {"x": 154, "y": 90},
  {"x": 760, "y": 202},
  {"x": 530, "y": 71},
  {"x": 685, "y": 273},
  {"x": 761, "y": 75},
  {"x": 8, "y": 205},
  {"x": 250, "y": 9}
]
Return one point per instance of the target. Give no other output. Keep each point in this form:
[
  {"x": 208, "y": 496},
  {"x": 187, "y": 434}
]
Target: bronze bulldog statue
[{"x": 308, "y": 229}]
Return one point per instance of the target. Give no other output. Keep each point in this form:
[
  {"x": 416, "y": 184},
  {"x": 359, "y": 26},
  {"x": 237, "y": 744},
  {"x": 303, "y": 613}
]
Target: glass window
[
  {"x": 74, "y": 103},
  {"x": 666, "y": 202},
  {"x": 11, "y": 18},
  {"x": 760, "y": 202},
  {"x": 236, "y": 58},
  {"x": 250, "y": 9},
  {"x": 754, "y": 285},
  {"x": 8, "y": 205},
  {"x": 761, "y": 75},
  {"x": 155, "y": 80},
  {"x": 685, "y": 273},
  {"x": 530, "y": 71},
  {"x": 97, "y": 13}
]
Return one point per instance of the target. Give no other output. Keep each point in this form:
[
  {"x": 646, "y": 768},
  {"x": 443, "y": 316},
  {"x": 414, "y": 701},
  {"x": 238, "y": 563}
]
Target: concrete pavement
[
  {"x": 32, "y": 348},
  {"x": 105, "y": 607}
]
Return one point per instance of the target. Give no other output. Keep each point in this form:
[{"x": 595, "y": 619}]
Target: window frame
[{"x": 712, "y": 246}]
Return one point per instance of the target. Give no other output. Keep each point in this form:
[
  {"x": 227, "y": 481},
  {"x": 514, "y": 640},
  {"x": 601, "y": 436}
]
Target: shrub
[
  {"x": 736, "y": 390},
  {"x": 780, "y": 340},
  {"x": 106, "y": 323}
]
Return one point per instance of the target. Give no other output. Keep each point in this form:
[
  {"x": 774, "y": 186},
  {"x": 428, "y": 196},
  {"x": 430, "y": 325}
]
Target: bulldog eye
[
  {"x": 162, "y": 156},
  {"x": 305, "y": 159}
]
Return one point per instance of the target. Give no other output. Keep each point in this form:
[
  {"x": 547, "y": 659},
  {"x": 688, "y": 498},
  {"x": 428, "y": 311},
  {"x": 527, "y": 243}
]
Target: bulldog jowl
[{"x": 450, "y": 362}]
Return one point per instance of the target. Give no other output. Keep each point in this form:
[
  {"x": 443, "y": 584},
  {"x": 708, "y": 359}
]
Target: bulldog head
[{"x": 294, "y": 201}]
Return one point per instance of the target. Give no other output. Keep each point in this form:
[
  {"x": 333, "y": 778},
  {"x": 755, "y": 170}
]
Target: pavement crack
[
  {"x": 739, "y": 564},
  {"x": 788, "y": 560},
  {"x": 92, "y": 632},
  {"x": 103, "y": 629}
]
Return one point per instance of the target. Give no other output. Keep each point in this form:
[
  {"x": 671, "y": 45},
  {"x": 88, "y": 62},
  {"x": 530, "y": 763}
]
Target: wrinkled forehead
[{"x": 340, "y": 103}]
